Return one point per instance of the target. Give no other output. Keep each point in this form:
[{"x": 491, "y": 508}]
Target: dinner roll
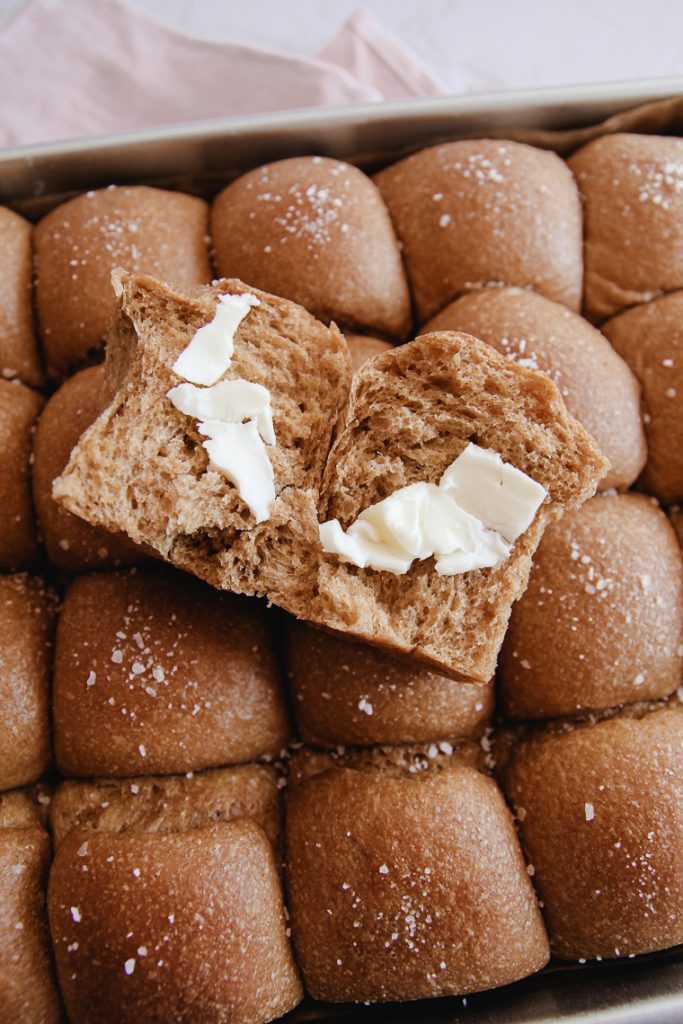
[
  {"x": 676, "y": 517},
  {"x": 19, "y": 356},
  {"x": 157, "y": 673},
  {"x": 169, "y": 803},
  {"x": 19, "y": 407},
  {"x": 597, "y": 386},
  {"x": 185, "y": 926},
  {"x": 650, "y": 339},
  {"x": 316, "y": 231},
  {"x": 78, "y": 244},
  {"x": 482, "y": 212},
  {"x": 28, "y": 991},
  {"x": 71, "y": 543},
  {"x": 364, "y": 346},
  {"x": 349, "y": 693},
  {"x": 27, "y": 614},
  {"x": 600, "y": 622},
  {"x": 632, "y": 191},
  {"x": 599, "y": 811},
  {"x": 404, "y": 886}
]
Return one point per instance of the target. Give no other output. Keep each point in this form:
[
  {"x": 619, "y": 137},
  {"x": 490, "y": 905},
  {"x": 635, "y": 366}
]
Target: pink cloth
[{"x": 74, "y": 68}]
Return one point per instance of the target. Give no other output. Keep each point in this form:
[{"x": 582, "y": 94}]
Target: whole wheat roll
[
  {"x": 314, "y": 230},
  {"x": 599, "y": 817},
  {"x": 632, "y": 192},
  {"x": 157, "y": 673},
  {"x": 389, "y": 894},
  {"x": 70, "y": 542},
  {"x": 80, "y": 242},
  {"x": 168, "y": 803},
  {"x": 27, "y": 618},
  {"x": 349, "y": 693},
  {"x": 481, "y": 212},
  {"x": 600, "y": 622},
  {"x": 363, "y": 347},
  {"x": 596, "y": 384},
  {"x": 19, "y": 355},
  {"x": 19, "y": 407},
  {"x": 650, "y": 339},
  {"x": 185, "y": 926},
  {"x": 28, "y": 990}
]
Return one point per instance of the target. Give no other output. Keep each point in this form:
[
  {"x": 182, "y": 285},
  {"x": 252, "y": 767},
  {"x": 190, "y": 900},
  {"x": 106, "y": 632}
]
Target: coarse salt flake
[
  {"x": 129, "y": 965},
  {"x": 589, "y": 811},
  {"x": 76, "y": 914}
]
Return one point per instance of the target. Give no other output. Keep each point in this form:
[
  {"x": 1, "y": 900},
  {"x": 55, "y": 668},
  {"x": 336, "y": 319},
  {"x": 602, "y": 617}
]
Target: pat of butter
[
  {"x": 237, "y": 451},
  {"x": 468, "y": 521},
  {"x": 208, "y": 355},
  {"x": 503, "y": 497},
  {"x": 230, "y": 401}
]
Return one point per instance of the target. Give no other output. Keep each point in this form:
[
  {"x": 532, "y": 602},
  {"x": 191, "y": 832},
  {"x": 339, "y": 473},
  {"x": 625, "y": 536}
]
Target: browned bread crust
[
  {"x": 19, "y": 407},
  {"x": 389, "y": 894},
  {"x": 27, "y": 618},
  {"x": 78, "y": 244},
  {"x": 169, "y": 803},
  {"x": 633, "y": 219},
  {"x": 599, "y": 817},
  {"x": 192, "y": 920},
  {"x": 481, "y": 212},
  {"x": 606, "y": 591},
  {"x": 71, "y": 543},
  {"x": 596, "y": 384},
  {"x": 28, "y": 991},
  {"x": 363, "y": 347},
  {"x": 316, "y": 231},
  {"x": 349, "y": 693},
  {"x": 650, "y": 339},
  {"x": 157, "y": 673},
  {"x": 19, "y": 355}
]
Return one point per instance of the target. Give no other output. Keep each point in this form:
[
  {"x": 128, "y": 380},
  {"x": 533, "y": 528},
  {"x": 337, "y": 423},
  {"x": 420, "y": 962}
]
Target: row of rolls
[{"x": 172, "y": 846}]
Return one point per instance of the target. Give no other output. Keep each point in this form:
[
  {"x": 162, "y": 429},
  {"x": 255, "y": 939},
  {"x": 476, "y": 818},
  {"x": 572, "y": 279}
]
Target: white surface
[{"x": 496, "y": 42}]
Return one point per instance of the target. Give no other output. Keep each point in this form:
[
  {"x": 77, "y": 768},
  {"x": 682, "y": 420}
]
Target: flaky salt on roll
[
  {"x": 350, "y": 693},
  {"x": 596, "y": 384},
  {"x": 19, "y": 408},
  {"x": 27, "y": 618},
  {"x": 389, "y": 894},
  {"x": 481, "y": 212},
  {"x": 599, "y": 817},
  {"x": 79, "y": 243},
  {"x": 28, "y": 991},
  {"x": 71, "y": 543},
  {"x": 600, "y": 622},
  {"x": 632, "y": 191},
  {"x": 169, "y": 803},
  {"x": 157, "y": 673},
  {"x": 650, "y": 339},
  {"x": 184, "y": 926},
  {"x": 317, "y": 231},
  {"x": 19, "y": 356}
]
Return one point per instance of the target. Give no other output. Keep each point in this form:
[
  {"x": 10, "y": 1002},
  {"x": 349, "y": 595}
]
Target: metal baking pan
[{"x": 201, "y": 157}]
